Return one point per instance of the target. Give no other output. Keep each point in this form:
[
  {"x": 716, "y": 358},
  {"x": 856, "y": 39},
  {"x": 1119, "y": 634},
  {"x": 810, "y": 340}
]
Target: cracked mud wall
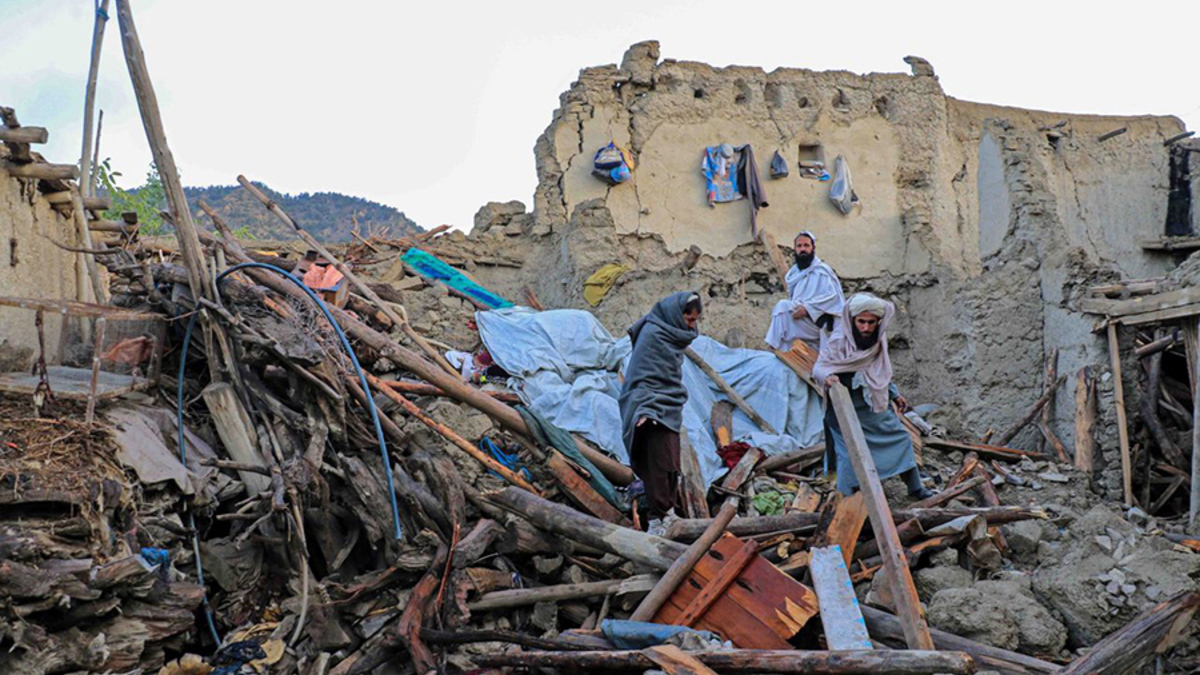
[
  {"x": 31, "y": 266},
  {"x": 982, "y": 222}
]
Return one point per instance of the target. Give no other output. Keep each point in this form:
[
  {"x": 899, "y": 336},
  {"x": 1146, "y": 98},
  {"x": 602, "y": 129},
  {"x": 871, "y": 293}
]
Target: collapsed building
[{"x": 1009, "y": 239}]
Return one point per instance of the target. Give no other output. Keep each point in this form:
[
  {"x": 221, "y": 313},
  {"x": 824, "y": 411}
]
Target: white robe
[{"x": 816, "y": 288}]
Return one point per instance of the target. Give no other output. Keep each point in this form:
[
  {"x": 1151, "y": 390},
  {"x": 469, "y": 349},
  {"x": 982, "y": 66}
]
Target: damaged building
[{"x": 403, "y": 455}]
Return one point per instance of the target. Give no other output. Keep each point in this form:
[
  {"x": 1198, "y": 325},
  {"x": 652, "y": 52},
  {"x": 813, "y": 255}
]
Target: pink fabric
[{"x": 841, "y": 355}]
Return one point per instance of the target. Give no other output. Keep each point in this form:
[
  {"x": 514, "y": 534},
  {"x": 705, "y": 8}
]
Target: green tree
[{"x": 146, "y": 200}]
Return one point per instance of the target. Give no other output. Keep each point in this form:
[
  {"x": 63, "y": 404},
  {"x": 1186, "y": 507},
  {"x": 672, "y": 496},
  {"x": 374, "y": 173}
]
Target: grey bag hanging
[
  {"x": 779, "y": 167},
  {"x": 841, "y": 193}
]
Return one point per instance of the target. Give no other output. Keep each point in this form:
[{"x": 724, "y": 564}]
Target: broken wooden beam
[
  {"x": 983, "y": 449},
  {"x": 1085, "y": 421},
  {"x": 872, "y": 662},
  {"x": 423, "y": 389},
  {"x": 1015, "y": 429},
  {"x": 904, "y": 593},
  {"x": 951, "y": 493},
  {"x": 1114, "y": 351},
  {"x": 797, "y": 456},
  {"x": 1152, "y": 633}
]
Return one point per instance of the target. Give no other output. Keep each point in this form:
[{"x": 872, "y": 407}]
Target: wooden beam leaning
[
  {"x": 1153, "y": 632},
  {"x": 362, "y": 287},
  {"x": 1191, "y": 338},
  {"x": 1114, "y": 352},
  {"x": 904, "y": 593},
  {"x": 143, "y": 88},
  {"x": 89, "y": 100},
  {"x": 734, "y": 397}
]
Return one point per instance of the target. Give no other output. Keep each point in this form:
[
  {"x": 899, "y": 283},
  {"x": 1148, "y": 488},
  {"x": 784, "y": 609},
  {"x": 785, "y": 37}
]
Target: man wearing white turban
[
  {"x": 814, "y": 304},
  {"x": 857, "y": 356}
]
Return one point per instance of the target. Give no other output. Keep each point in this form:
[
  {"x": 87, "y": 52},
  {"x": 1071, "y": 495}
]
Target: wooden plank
[
  {"x": 695, "y": 499},
  {"x": 840, "y": 614},
  {"x": 1085, "y": 421},
  {"x": 237, "y": 433},
  {"x": 716, "y": 586},
  {"x": 1141, "y": 304},
  {"x": 781, "y": 267},
  {"x": 1161, "y": 315},
  {"x": 849, "y": 517},
  {"x": 800, "y": 359},
  {"x": 1114, "y": 352},
  {"x": 721, "y": 420},
  {"x": 742, "y": 471},
  {"x": 908, "y": 605},
  {"x": 674, "y": 661},
  {"x": 1170, "y": 244},
  {"x": 579, "y": 492}
]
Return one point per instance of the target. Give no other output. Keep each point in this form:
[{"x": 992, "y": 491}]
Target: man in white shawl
[
  {"x": 814, "y": 304},
  {"x": 857, "y": 357}
]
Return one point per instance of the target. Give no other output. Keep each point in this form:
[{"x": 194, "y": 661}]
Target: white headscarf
[{"x": 841, "y": 354}]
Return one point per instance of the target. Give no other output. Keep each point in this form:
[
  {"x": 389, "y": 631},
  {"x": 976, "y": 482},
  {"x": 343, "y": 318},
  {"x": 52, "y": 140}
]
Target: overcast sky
[{"x": 434, "y": 107}]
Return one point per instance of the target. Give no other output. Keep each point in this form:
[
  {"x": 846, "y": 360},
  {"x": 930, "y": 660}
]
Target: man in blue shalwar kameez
[{"x": 857, "y": 356}]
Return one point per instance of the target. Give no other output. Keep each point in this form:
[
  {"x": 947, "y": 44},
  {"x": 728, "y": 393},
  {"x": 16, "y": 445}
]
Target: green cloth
[
  {"x": 546, "y": 434},
  {"x": 769, "y": 503},
  {"x": 601, "y": 282}
]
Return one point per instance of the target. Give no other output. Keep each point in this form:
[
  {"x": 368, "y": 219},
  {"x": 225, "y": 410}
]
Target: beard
[
  {"x": 803, "y": 260},
  {"x": 865, "y": 342}
]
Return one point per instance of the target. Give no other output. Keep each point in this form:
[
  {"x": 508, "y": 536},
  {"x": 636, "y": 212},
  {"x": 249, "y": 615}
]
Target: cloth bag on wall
[
  {"x": 779, "y": 166},
  {"x": 841, "y": 192},
  {"x": 612, "y": 164}
]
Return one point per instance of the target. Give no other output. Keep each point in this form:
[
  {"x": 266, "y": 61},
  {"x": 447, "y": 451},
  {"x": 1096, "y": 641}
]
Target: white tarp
[{"x": 564, "y": 365}]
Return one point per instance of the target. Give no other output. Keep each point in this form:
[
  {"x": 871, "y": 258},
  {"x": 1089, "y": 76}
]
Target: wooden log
[
  {"x": 1159, "y": 345},
  {"x": 947, "y": 495},
  {"x": 1191, "y": 334},
  {"x": 40, "y": 170},
  {"x": 772, "y": 249},
  {"x": 733, "y": 396},
  {"x": 904, "y": 593},
  {"x": 1149, "y": 410},
  {"x": 1015, "y": 429},
  {"x": 451, "y": 435},
  {"x": 422, "y": 389},
  {"x": 181, "y": 214},
  {"x": 683, "y": 565},
  {"x": 112, "y": 226},
  {"x": 687, "y": 530},
  {"x": 741, "y": 472},
  {"x": 24, "y": 135},
  {"x": 908, "y": 531},
  {"x": 520, "y": 597},
  {"x": 885, "y": 626},
  {"x": 792, "y": 661},
  {"x": 1085, "y": 421},
  {"x": 1114, "y": 351},
  {"x": 18, "y": 152},
  {"x": 580, "y": 492},
  {"x": 236, "y": 431},
  {"x": 1045, "y": 425},
  {"x": 1112, "y": 134},
  {"x": 985, "y": 450},
  {"x": 655, "y": 552},
  {"x": 797, "y": 456},
  {"x": 89, "y": 99},
  {"x": 695, "y": 495},
  {"x": 1152, "y": 633}
]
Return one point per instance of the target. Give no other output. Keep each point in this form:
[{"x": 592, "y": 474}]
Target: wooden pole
[
  {"x": 1085, "y": 419},
  {"x": 790, "y": 661},
  {"x": 24, "y": 135},
  {"x": 520, "y": 597},
  {"x": 362, "y": 287},
  {"x": 181, "y": 215},
  {"x": 654, "y": 552},
  {"x": 1041, "y": 403},
  {"x": 89, "y": 100},
  {"x": 908, "y": 605},
  {"x": 1114, "y": 352},
  {"x": 695, "y": 495},
  {"x": 1192, "y": 340},
  {"x": 734, "y": 397},
  {"x": 683, "y": 565},
  {"x": 97, "y": 350},
  {"x": 91, "y": 177}
]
